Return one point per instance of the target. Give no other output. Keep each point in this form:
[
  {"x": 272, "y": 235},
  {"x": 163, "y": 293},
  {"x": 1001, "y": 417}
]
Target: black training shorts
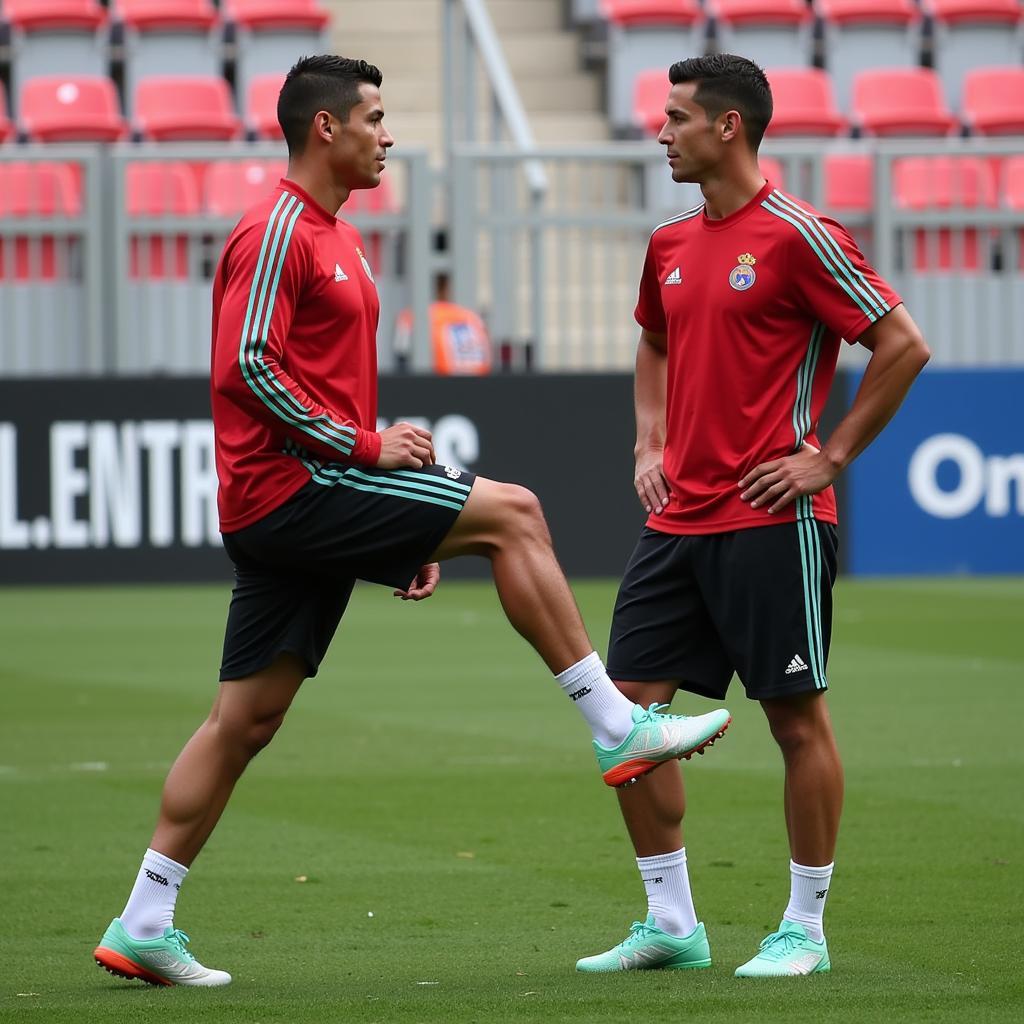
[
  {"x": 757, "y": 602},
  {"x": 295, "y": 567}
]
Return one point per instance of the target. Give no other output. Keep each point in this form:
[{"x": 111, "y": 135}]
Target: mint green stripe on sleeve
[{"x": 837, "y": 251}]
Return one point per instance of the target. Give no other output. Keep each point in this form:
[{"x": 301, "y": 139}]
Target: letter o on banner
[{"x": 922, "y": 476}]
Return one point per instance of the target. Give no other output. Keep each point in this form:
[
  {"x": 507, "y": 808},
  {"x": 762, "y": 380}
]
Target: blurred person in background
[{"x": 743, "y": 303}]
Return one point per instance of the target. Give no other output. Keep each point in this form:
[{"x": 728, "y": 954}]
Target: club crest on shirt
[
  {"x": 365, "y": 263},
  {"x": 742, "y": 276}
]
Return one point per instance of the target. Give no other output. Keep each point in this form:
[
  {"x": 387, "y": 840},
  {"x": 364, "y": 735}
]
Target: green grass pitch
[{"x": 434, "y": 778}]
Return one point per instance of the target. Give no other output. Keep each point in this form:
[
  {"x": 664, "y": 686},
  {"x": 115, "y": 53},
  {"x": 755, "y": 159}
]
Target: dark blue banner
[{"x": 942, "y": 489}]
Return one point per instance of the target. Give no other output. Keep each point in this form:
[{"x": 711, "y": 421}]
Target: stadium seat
[
  {"x": 1013, "y": 184},
  {"x": 804, "y": 103},
  {"x": 970, "y": 34},
  {"x": 994, "y": 101},
  {"x": 159, "y": 189},
  {"x": 168, "y": 37},
  {"x": 6, "y": 128},
  {"x": 32, "y": 190},
  {"x": 55, "y": 37},
  {"x": 232, "y": 186},
  {"x": 177, "y": 107},
  {"x": 67, "y": 108},
  {"x": 271, "y": 35},
  {"x": 849, "y": 182},
  {"x": 261, "y": 106},
  {"x": 858, "y": 34},
  {"x": 773, "y": 171},
  {"x": 770, "y": 32},
  {"x": 650, "y": 90},
  {"x": 946, "y": 183},
  {"x": 644, "y": 35},
  {"x": 900, "y": 101}
]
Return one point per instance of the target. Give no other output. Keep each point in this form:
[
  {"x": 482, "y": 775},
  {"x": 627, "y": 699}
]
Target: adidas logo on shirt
[
  {"x": 674, "y": 278},
  {"x": 339, "y": 274},
  {"x": 797, "y": 664}
]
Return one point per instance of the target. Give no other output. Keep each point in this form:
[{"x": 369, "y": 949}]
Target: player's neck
[
  {"x": 317, "y": 183},
  {"x": 730, "y": 189}
]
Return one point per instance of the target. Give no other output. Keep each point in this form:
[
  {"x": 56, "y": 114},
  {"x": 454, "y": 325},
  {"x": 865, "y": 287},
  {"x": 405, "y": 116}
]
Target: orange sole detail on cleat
[
  {"x": 629, "y": 771},
  {"x": 122, "y": 967}
]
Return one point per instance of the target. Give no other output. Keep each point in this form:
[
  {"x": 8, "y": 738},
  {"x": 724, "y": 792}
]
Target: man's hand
[
  {"x": 783, "y": 480},
  {"x": 649, "y": 480},
  {"x": 404, "y": 446},
  {"x": 424, "y": 585}
]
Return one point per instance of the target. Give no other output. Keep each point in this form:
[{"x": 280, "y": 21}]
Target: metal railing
[{"x": 112, "y": 291}]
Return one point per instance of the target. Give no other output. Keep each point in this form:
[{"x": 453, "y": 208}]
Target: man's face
[
  {"x": 360, "y": 144},
  {"x": 692, "y": 143}
]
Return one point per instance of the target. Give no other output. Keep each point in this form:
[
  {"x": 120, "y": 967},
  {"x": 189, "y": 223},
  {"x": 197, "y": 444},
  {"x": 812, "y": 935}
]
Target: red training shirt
[
  {"x": 753, "y": 306},
  {"x": 294, "y": 362}
]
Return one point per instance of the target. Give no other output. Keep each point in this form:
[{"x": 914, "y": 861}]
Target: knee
[
  {"x": 525, "y": 513},
  {"x": 794, "y": 733},
  {"x": 247, "y": 736}
]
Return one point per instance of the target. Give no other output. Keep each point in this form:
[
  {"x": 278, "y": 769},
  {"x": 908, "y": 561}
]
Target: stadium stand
[
  {"x": 270, "y": 35},
  {"x": 1013, "y": 186},
  {"x": 649, "y": 91},
  {"x": 168, "y": 37},
  {"x": 50, "y": 37},
  {"x": 804, "y": 103},
  {"x": 260, "y": 110},
  {"x": 165, "y": 190},
  {"x": 849, "y": 185},
  {"x": 70, "y": 108},
  {"x": 646, "y": 34},
  {"x": 943, "y": 183},
  {"x": 773, "y": 171},
  {"x": 231, "y": 186},
  {"x": 775, "y": 33},
  {"x": 867, "y": 33},
  {"x": 900, "y": 101},
  {"x": 177, "y": 107},
  {"x": 994, "y": 101},
  {"x": 972, "y": 34},
  {"x": 36, "y": 190}
]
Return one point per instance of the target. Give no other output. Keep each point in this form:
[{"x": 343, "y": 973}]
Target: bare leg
[
  {"x": 245, "y": 715},
  {"x": 653, "y": 807},
  {"x": 504, "y": 522},
  {"x": 814, "y": 775}
]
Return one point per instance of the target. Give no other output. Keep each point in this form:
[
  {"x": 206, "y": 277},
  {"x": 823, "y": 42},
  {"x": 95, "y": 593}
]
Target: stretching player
[
  {"x": 312, "y": 498},
  {"x": 743, "y": 302}
]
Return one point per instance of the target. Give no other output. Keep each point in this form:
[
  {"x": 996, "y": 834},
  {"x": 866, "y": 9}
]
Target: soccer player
[
  {"x": 312, "y": 498},
  {"x": 743, "y": 302}
]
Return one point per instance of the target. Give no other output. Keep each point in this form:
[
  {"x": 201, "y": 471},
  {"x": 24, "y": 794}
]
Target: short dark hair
[
  {"x": 324, "y": 82},
  {"x": 727, "y": 82}
]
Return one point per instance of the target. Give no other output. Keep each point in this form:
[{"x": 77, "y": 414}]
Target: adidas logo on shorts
[{"x": 796, "y": 664}]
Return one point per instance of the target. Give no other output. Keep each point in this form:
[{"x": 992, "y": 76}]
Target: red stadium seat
[
  {"x": 6, "y": 128},
  {"x": 943, "y": 183},
  {"x": 804, "y": 103},
  {"x": 232, "y": 186},
  {"x": 31, "y": 15},
  {"x": 157, "y": 189},
  {"x": 953, "y": 11},
  {"x": 847, "y": 12},
  {"x": 276, "y": 13},
  {"x": 176, "y": 107},
  {"x": 151, "y": 15},
  {"x": 761, "y": 12},
  {"x": 1013, "y": 184},
  {"x": 33, "y": 190},
  {"x": 650, "y": 91},
  {"x": 900, "y": 101},
  {"x": 652, "y": 12},
  {"x": 72, "y": 108},
  {"x": 261, "y": 106},
  {"x": 849, "y": 182},
  {"x": 994, "y": 101},
  {"x": 773, "y": 171}
]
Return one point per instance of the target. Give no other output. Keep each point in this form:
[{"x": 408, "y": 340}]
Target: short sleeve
[
  {"x": 649, "y": 313},
  {"x": 839, "y": 286}
]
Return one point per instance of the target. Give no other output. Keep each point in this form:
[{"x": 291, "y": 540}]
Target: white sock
[
  {"x": 668, "y": 892},
  {"x": 150, "y": 908},
  {"x": 808, "y": 888},
  {"x": 608, "y": 713}
]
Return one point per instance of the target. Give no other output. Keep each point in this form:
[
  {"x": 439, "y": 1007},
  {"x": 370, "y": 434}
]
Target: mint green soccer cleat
[
  {"x": 162, "y": 961},
  {"x": 648, "y": 948},
  {"x": 656, "y": 738},
  {"x": 786, "y": 953}
]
